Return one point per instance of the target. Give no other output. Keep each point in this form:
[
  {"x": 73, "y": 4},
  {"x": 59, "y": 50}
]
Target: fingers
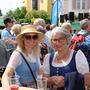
[
  {"x": 58, "y": 81},
  {"x": 87, "y": 79}
]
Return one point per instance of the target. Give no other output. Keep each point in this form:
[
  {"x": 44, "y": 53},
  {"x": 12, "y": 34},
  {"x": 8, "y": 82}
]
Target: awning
[{"x": 1, "y": 22}]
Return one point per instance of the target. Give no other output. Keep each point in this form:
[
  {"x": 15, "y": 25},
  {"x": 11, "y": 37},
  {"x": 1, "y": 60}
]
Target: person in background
[
  {"x": 43, "y": 47},
  {"x": 28, "y": 51},
  {"x": 63, "y": 61},
  {"x": 7, "y": 37},
  {"x": 47, "y": 40},
  {"x": 81, "y": 35},
  {"x": 85, "y": 24},
  {"x": 16, "y": 29},
  {"x": 85, "y": 45},
  {"x": 40, "y": 25},
  {"x": 39, "y": 21},
  {"x": 68, "y": 27}
]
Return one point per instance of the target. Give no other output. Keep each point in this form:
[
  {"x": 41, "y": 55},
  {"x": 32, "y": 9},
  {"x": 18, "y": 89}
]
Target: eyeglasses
[
  {"x": 29, "y": 37},
  {"x": 59, "y": 40}
]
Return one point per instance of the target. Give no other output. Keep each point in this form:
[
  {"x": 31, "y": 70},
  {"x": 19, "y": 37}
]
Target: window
[
  {"x": 35, "y": 4},
  {"x": 80, "y": 4},
  {"x": 83, "y": 4}
]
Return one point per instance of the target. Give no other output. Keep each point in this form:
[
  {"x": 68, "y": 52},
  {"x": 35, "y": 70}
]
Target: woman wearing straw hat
[{"x": 27, "y": 52}]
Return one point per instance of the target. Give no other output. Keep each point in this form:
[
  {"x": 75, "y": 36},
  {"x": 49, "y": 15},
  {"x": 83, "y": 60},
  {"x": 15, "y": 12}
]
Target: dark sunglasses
[{"x": 29, "y": 37}]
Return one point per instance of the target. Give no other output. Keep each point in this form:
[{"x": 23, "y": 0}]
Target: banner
[{"x": 56, "y": 9}]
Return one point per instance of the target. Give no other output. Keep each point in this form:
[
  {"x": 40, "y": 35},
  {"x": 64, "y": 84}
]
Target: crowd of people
[{"x": 50, "y": 51}]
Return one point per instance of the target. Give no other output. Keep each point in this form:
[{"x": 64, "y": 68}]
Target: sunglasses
[{"x": 29, "y": 37}]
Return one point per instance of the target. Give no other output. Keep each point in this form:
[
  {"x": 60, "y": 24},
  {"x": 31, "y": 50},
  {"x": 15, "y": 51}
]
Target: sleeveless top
[
  {"x": 63, "y": 71},
  {"x": 26, "y": 78},
  {"x": 71, "y": 67}
]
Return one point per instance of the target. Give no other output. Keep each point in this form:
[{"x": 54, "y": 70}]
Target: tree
[
  {"x": 38, "y": 14},
  {"x": 18, "y": 13},
  {"x": 21, "y": 15},
  {"x": 10, "y": 14}
]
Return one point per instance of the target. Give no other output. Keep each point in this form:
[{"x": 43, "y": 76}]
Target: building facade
[
  {"x": 45, "y": 5},
  {"x": 77, "y": 6}
]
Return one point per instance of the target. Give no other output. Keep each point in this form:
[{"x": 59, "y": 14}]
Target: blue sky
[{"x": 6, "y": 5}]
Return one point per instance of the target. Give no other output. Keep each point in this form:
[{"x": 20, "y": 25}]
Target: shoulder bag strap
[
  {"x": 29, "y": 68},
  {"x": 9, "y": 32}
]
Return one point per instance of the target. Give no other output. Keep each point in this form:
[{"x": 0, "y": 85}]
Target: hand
[
  {"x": 6, "y": 41},
  {"x": 58, "y": 80},
  {"x": 87, "y": 79}
]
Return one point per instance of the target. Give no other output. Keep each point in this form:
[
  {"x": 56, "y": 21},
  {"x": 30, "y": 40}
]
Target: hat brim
[{"x": 40, "y": 34}]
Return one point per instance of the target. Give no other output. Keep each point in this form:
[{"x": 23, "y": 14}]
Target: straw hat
[{"x": 30, "y": 29}]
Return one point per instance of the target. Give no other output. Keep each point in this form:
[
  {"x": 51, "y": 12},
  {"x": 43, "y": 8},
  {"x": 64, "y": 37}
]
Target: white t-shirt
[
  {"x": 81, "y": 62},
  {"x": 16, "y": 59}
]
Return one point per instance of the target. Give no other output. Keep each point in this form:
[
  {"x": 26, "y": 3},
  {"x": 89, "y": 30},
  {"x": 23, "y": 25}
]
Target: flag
[{"x": 56, "y": 9}]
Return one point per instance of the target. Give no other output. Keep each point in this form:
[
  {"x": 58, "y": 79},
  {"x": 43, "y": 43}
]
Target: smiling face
[
  {"x": 59, "y": 41},
  {"x": 30, "y": 40}
]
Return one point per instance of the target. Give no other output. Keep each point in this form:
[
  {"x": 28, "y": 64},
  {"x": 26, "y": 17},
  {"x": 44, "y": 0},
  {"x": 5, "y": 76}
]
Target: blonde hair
[
  {"x": 35, "y": 49},
  {"x": 16, "y": 27},
  {"x": 20, "y": 39}
]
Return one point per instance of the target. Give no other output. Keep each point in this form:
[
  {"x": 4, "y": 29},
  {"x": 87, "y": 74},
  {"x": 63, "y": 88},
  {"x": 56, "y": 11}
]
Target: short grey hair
[
  {"x": 63, "y": 32},
  {"x": 40, "y": 21},
  {"x": 66, "y": 24}
]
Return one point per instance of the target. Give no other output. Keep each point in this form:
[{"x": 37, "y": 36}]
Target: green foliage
[
  {"x": 17, "y": 14},
  {"x": 32, "y": 14},
  {"x": 38, "y": 14},
  {"x": 25, "y": 20},
  {"x": 10, "y": 14},
  {"x": 22, "y": 16}
]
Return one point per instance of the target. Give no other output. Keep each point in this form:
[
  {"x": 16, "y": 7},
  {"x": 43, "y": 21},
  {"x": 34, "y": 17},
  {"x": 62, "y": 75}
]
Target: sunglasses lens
[
  {"x": 29, "y": 37},
  {"x": 35, "y": 37}
]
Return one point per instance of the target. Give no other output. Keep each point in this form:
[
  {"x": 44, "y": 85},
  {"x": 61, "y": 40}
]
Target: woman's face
[
  {"x": 30, "y": 40},
  {"x": 59, "y": 42},
  {"x": 88, "y": 28}
]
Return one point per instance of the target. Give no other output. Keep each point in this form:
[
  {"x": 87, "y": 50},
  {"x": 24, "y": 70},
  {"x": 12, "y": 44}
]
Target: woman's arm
[
  {"x": 5, "y": 78},
  {"x": 83, "y": 67},
  {"x": 87, "y": 79},
  {"x": 81, "y": 62},
  {"x": 12, "y": 64}
]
